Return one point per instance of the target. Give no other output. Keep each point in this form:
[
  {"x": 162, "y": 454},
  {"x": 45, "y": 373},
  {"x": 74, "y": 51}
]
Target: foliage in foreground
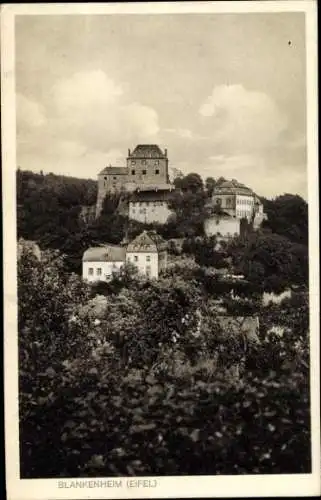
[{"x": 145, "y": 389}]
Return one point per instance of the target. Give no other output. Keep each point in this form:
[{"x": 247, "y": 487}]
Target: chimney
[
  {"x": 165, "y": 152},
  {"x": 128, "y": 152}
]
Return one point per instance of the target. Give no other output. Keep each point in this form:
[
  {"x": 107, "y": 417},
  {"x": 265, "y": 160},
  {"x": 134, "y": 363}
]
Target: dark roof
[
  {"x": 147, "y": 241},
  {"x": 151, "y": 195},
  {"x": 106, "y": 253},
  {"x": 147, "y": 151},
  {"x": 114, "y": 170},
  {"x": 212, "y": 213},
  {"x": 232, "y": 187},
  {"x": 155, "y": 187}
]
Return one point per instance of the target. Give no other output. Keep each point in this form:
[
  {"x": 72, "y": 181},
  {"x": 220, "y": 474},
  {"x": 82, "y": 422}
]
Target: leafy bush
[{"x": 152, "y": 385}]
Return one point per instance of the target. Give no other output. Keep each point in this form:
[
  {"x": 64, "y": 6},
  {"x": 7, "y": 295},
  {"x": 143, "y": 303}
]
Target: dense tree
[
  {"x": 270, "y": 260},
  {"x": 190, "y": 212},
  {"x": 114, "y": 393},
  {"x": 205, "y": 252},
  {"x": 287, "y": 215},
  {"x": 191, "y": 182},
  {"x": 210, "y": 184}
]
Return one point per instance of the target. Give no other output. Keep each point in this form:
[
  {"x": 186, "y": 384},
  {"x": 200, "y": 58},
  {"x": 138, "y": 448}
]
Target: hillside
[{"x": 51, "y": 213}]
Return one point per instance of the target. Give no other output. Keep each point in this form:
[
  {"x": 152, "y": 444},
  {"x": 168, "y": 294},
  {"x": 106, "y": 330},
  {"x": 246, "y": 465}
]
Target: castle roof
[
  {"x": 147, "y": 151},
  {"x": 114, "y": 171},
  {"x": 212, "y": 212},
  {"x": 232, "y": 187},
  {"x": 106, "y": 253},
  {"x": 147, "y": 241},
  {"x": 151, "y": 194}
]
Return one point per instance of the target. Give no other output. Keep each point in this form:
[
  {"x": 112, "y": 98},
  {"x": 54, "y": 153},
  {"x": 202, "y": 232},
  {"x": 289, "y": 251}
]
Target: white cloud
[
  {"x": 251, "y": 169},
  {"x": 85, "y": 90},
  {"x": 92, "y": 108},
  {"x": 141, "y": 120},
  {"x": 30, "y": 113},
  {"x": 242, "y": 120},
  {"x": 184, "y": 133}
]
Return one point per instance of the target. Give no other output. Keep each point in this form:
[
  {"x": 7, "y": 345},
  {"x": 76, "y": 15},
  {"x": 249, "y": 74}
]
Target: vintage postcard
[{"x": 161, "y": 249}]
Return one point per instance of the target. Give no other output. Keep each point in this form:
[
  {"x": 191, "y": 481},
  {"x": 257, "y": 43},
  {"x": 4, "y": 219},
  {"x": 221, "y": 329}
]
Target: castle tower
[
  {"x": 147, "y": 164},
  {"x": 110, "y": 180}
]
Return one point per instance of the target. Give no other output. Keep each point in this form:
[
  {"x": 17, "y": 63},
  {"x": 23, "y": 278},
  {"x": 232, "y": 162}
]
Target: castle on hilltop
[
  {"x": 146, "y": 170},
  {"x": 145, "y": 181},
  {"x": 231, "y": 203}
]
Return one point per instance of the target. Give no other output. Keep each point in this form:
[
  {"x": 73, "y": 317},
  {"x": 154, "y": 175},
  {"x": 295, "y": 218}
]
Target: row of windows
[
  {"x": 245, "y": 202},
  {"x": 140, "y": 211},
  {"x": 98, "y": 271},
  {"x": 135, "y": 258},
  {"x": 133, "y": 162},
  {"x": 147, "y": 203},
  {"x": 144, "y": 172},
  {"x": 229, "y": 202},
  {"x": 229, "y": 235},
  {"x": 242, "y": 213}
]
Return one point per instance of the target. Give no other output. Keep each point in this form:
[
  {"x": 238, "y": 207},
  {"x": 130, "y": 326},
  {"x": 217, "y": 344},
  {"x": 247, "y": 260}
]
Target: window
[
  {"x": 90, "y": 271},
  {"x": 133, "y": 162},
  {"x": 133, "y": 172},
  {"x": 105, "y": 178},
  {"x": 156, "y": 162},
  {"x": 144, "y": 172},
  {"x": 135, "y": 258},
  {"x": 99, "y": 271},
  {"x": 147, "y": 258},
  {"x": 148, "y": 270},
  {"x": 143, "y": 162},
  {"x": 156, "y": 171},
  {"x": 114, "y": 178}
]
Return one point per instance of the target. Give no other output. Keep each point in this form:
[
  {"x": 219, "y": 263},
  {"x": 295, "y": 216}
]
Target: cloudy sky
[{"x": 225, "y": 93}]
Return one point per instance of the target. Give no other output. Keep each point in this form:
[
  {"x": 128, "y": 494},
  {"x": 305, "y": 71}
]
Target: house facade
[
  {"x": 224, "y": 226},
  {"x": 237, "y": 200},
  {"x": 151, "y": 205},
  {"x": 110, "y": 180},
  {"x": 146, "y": 165},
  {"x": 101, "y": 263},
  {"x": 147, "y": 252}
]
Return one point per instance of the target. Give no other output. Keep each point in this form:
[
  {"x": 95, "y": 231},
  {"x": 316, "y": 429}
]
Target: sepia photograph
[{"x": 160, "y": 194}]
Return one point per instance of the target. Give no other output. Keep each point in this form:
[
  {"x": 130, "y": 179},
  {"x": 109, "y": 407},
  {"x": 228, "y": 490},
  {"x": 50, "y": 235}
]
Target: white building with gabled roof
[
  {"x": 102, "y": 262},
  {"x": 147, "y": 252}
]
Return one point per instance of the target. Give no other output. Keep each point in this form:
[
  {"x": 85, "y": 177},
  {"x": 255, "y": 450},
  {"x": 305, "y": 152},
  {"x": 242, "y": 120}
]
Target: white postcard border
[{"x": 167, "y": 487}]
